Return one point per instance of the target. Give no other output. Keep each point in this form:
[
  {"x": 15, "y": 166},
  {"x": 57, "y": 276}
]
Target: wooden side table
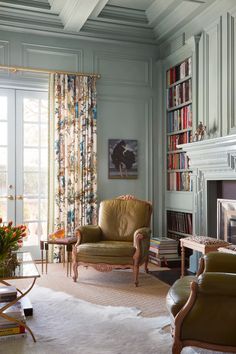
[
  {"x": 202, "y": 244},
  {"x": 67, "y": 242}
]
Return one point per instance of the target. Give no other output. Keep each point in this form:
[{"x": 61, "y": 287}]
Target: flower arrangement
[{"x": 11, "y": 238}]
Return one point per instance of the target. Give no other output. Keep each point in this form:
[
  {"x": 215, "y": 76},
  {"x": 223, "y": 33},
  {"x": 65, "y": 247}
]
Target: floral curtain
[{"x": 73, "y": 147}]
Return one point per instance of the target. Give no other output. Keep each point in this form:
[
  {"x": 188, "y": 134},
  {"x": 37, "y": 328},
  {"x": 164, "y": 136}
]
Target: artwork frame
[
  {"x": 122, "y": 158},
  {"x": 226, "y": 220}
]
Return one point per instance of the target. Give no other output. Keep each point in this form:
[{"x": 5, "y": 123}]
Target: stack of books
[
  {"x": 163, "y": 250},
  {"x": 11, "y": 329}
]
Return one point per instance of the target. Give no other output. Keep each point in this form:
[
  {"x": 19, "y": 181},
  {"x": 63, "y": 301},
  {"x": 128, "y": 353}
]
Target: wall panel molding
[
  {"x": 213, "y": 78},
  {"x": 49, "y": 57},
  {"x": 4, "y": 56},
  {"x": 231, "y": 72},
  {"x": 144, "y": 131},
  {"x": 119, "y": 69}
]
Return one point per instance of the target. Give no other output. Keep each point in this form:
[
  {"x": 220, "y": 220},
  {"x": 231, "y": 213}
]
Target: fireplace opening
[{"x": 221, "y": 190}]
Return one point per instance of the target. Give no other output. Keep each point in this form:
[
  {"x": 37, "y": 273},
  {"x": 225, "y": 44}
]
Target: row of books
[
  {"x": 179, "y": 72},
  {"x": 181, "y": 138},
  {"x": 179, "y": 221},
  {"x": 11, "y": 329},
  {"x": 162, "y": 250},
  {"x": 177, "y": 161},
  {"x": 179, "y": 181},
  {"x": 179, "y": 119},
  {"x": 179, "y": 94}
]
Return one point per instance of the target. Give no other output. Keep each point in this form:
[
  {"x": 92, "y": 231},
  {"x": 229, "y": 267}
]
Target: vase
[{"x": 8, "y": 263}]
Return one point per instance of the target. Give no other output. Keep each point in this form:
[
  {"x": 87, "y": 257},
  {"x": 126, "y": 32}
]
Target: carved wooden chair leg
[
  {"x": 75, "y": 270},
  {"x": 136, "y": 273}
]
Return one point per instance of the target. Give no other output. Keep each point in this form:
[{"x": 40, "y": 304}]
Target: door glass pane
[
  {"x": 31, "y": 134},
  {"x": 31, "y": 109},
  {"x": 3, "y": 183},
  {"x": 3, "y": 110},
  {"x": 3, "y": 133},
  {"x": 3, "y": 159},
  {"x": 44, "y": 111},
  {"x": 35, "y": 167},
  {"x": 3, "y": 209},
  {"x": 31, "y": 183},
  {"x": 43, "y": 184},
  {"x": 43, "y": 209},
  {"x": 44, "y": 135},
  {"x": 31, "y": 159},
  {"x": 31, "y": 209}
]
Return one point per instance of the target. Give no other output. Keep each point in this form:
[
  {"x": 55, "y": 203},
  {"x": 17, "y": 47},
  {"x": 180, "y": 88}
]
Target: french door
[{"x": 24, "y": 162}]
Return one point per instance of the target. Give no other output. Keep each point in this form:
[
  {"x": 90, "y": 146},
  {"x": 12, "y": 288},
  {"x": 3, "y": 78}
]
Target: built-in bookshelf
[
  {"x": 179, "y": 225},
  {"x": 179, "y": 120}
]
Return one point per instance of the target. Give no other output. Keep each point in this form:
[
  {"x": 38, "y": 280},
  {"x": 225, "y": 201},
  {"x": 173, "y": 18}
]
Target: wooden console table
[{"x": 201, "y": 244}]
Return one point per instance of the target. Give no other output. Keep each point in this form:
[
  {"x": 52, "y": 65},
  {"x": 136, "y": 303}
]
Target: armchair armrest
[
  {"x": 217, "y": 284},
  {"x": 88, "y": 233},
  {"x": 220, "y": 262},
  {"x": 142, "y": 242}
]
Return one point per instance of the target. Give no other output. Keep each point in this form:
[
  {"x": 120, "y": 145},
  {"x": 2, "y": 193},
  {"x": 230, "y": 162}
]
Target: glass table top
[{"x": 22, "y": 266}]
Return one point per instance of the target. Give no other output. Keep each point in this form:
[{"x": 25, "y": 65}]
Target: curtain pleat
[{"x": 73, "y": 150}]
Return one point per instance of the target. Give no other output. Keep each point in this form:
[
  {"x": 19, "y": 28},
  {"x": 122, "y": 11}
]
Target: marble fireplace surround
[{"x": 210, "y": 160}]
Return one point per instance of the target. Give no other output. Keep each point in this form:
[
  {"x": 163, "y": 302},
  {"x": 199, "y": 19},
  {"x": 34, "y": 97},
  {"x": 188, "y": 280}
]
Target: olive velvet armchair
[
  {"x": 203, "y": 307},
  {"x": 120, "y": 240}
]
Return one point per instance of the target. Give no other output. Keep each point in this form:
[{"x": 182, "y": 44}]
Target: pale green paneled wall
[
  {"x": 217, "y": 78},
  {"x": 126, "y": 94}
]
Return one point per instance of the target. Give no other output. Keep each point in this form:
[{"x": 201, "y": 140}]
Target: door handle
[
  {"x": 19, "y": 197},
  {"x": 10, "y": 197}
]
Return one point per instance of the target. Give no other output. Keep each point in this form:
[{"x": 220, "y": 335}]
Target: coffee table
[{"x": 25, "y": 270}]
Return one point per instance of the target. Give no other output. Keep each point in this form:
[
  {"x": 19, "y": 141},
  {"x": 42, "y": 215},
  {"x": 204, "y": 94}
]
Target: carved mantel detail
[{"x": 212, "y": 159}]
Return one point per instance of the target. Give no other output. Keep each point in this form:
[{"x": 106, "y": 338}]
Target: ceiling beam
[{"x": 76, "y": 12}]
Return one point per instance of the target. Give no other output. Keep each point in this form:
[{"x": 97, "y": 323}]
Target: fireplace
[{"x": 213, "y": 163}]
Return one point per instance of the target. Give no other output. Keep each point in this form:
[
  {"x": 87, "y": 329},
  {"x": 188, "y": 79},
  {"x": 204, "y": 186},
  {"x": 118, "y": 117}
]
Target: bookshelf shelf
[
  {"x": 179, "y": 131},
  {"x": 182, "y": 234},
  {"x": 180, "y": 81},
  {"x": 170, "y": 109}
]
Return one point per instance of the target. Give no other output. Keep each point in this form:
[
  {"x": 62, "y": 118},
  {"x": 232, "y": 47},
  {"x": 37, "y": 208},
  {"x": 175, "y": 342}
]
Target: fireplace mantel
[
  {"x": 209, "y": 160},
  {"x": 209, "y": 156},
  {"x": 212, "y": 159}
]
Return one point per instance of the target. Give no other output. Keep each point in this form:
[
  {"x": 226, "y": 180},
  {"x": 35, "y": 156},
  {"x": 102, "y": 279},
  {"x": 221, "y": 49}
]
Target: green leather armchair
[
  {"x": 120, "y": 240},
  {"x": 203, "y": 308}
]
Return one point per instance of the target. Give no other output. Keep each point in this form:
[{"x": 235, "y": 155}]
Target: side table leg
[
  {"x": 182, "y": 260},
  {"x": 46, "y": 249},
  {"x": 42, "y": 248}
]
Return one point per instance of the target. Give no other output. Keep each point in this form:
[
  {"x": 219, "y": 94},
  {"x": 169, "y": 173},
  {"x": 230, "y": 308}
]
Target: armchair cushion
[
  {"x": 88, "y": 233},
  {"x": 107, "y": 248},
  {"x": 118, "y": 218},
  {"x": 220, "y": 262}
]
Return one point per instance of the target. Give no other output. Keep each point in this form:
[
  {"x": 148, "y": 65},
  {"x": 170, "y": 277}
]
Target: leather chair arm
[
  {"x": 217, "y": 284},
  {"x": 88, "y": 234},
  {"x": 142, "y": 242},
  {"x": 220, "y": 262}
]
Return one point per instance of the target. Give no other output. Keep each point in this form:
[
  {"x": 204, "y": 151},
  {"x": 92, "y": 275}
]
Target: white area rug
[{"x": 63, "y": 324}]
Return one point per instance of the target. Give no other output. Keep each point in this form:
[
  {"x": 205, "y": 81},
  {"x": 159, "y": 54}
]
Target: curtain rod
[{"x": 14, "y": 69}]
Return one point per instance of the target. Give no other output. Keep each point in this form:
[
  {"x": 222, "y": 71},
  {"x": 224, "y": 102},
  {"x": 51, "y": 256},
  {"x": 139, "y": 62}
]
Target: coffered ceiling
[{"x": 142, "y": 21}]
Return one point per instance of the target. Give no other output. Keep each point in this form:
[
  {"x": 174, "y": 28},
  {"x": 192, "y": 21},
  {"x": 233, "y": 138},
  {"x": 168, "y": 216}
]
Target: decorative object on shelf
[
  {"x": 200, "y": 132},
  {"x": 11, "y": 239},
  {"x": 122, "y": 156}
]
